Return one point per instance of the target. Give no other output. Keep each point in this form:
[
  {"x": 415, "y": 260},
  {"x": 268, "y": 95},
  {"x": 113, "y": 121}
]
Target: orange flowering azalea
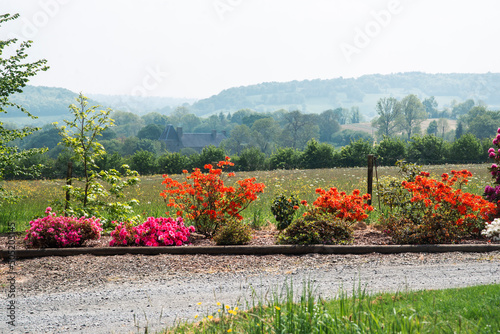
[
  {"x": 349, "y": 207},
  {"x": 205, "y": 200}
]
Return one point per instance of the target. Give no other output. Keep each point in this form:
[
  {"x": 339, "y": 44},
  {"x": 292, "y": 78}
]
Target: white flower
[{"x": 492, "y": 230}]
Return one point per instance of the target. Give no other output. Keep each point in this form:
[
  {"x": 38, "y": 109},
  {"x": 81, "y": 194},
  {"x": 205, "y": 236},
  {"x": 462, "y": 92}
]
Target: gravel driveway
[{"x": 121, "y": 294}]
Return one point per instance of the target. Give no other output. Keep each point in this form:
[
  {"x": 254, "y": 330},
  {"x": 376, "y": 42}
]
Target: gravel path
[{"x": 120, "y": 294}]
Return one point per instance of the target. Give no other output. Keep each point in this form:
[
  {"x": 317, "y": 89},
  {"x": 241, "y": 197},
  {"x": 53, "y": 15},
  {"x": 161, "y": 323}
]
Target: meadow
[{"x": 38, "y": 194}]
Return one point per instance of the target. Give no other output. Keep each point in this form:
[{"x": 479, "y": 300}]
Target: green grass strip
[{"x": 462, "y": 310}]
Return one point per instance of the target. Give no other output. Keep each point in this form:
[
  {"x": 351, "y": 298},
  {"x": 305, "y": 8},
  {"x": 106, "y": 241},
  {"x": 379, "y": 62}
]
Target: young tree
[
  {"x": 14, "y": 75},
  {"x": 80, "y": 135}
]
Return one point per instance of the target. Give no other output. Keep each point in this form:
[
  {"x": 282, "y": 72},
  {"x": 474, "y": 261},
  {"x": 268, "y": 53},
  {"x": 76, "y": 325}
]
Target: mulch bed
[{"x": 363, "y": 235}]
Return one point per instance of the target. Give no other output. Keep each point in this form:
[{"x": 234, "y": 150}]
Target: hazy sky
[{"x": 196, "y": 48}]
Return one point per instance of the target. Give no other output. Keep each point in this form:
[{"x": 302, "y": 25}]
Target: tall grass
[
  {"x": 38, "y": 194},
  {"x": 465, "y": 310}
]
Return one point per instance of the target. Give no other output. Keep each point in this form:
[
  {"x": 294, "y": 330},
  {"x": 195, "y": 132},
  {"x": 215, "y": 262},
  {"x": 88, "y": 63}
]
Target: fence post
[
  {"x": 371, "y": 158},
  {"x": 69, "y": 175}
]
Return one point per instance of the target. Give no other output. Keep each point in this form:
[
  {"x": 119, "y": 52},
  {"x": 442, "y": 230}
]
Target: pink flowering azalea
[
  {"x": 153, "y": 232},
  {"x": 53, "y": 231}
]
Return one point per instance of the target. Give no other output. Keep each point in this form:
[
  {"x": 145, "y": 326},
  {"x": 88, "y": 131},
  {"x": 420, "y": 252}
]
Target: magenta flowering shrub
[
  {"x": 492, "y": 193},
  {"x": 153, "y": 232},
  {"x": 58, "y": 231}
]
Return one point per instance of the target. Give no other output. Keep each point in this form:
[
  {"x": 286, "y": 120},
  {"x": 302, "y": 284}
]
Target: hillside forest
[{"x": 407, "y": 128}]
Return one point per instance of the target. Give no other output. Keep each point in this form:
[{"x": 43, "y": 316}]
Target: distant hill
[
  {"x": 50, "y": 104},
  {"x": 310, "y": 96},
  {"x": 141, "y": 105},
  {"x": 315, "y": 96}
]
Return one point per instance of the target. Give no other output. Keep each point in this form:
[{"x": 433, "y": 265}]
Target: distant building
[{"x": 176, "y": 140}]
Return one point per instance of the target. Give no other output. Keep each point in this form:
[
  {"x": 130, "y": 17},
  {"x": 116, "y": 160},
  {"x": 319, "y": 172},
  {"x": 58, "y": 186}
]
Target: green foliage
[
  {"x": 209, "y": 155},
  {"x": 93, "y": 199},
  {"x": 285, "y": 158},
  {"x": 317, "y": 155},
  {"x": 481, "y": 122},
  {"x": 14, "y": 74},
  {"x": 355, "y": 154},
  {"x": 250, "y": 159},
  {"x": 412, "y": 114},
  {"x": 233, "y": 232},
  {"x": 172, "y": 163},
  {"x": 432, "y": 129},
  {"x": 328, "y": 125},
  {"x": 144, "y": 162},
  {"x": 150, "y": 131},
  {"x": 390, "y": 150},
  {"x": 389, "y": 116},
  {"x": 391, "y": 192},
  {"x": 430, "y": 230},
  {"x": 317, "y": 228},
  {"x": 467, "y": 148},
  {"x": 298, "y": 129},
  {"x": 461, "y": 310},
  {"x": 346, "y": 136},
  {"x": 284, "y": 209},
  {"x": 103, "y": 201},
  {"x": 427, "y": 149}
]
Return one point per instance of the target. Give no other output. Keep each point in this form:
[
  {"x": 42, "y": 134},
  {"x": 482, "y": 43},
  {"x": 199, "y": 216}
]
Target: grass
[
  {"x": 37, "y": 194},
  {"x": 464, "y": 310}
]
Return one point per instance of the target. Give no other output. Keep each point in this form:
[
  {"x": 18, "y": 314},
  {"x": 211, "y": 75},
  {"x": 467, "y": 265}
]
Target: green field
[{"x": 37, "y": 194}]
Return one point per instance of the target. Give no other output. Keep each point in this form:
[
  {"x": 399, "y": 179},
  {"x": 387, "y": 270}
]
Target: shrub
[
  {"x": 283, "y": 209},
  {"x": 492, "y": 194},
  {"x": 317, "y": 228},
  {"x": 153, "y": 232},
  {"x": 436, "y": 207},
  {"x": 234, "y": 232},
  {"x": 429, "y": 230},
  {"x": 206, "y": 201},
  {"x": 55, "y": 232},
  {"x": 346, "y": 207},
  {"x": 390, "y": 189},
  {"x": 492, "y": 230}
]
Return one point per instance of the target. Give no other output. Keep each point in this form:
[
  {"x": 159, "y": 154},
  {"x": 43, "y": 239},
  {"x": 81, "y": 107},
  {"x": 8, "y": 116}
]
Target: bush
[
  {"x": 346, "y": 207},
  {"x": 390, "y": 150},
  {"x": 153, "y": 232},
  {"x": 492, "y": 194},
  {"x": 436, "y": 212},
  {"x": 251, "y": 159},
  {"x": 206, "y": 201},
  {"x": 354, "y": 154},
  {"x": 430, "y": 230},
  {"x": 55, "y": 232},
  {"x": 492, "y": 230},
  {"x": 284, "y": 209},
  {"x": 318, "y": 155},
  {"x": 317, "y": 228},
  {"x": 285, "y": 158},
  {"x": 233, "y": 232}
]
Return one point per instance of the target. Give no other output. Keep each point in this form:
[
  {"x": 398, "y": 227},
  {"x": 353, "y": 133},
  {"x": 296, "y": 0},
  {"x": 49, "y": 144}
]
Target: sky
[{"x": 197, "y": 48}]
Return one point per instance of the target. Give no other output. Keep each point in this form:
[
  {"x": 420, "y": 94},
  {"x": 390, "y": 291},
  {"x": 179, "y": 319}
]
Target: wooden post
[
  {"x": 69, "y": 175},
  {"x": 371, "y": 158}
]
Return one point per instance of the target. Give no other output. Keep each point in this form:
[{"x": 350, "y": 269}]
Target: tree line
[
  {"x": 283, "y": 139},
  {"x": 422, "y": 149}
]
